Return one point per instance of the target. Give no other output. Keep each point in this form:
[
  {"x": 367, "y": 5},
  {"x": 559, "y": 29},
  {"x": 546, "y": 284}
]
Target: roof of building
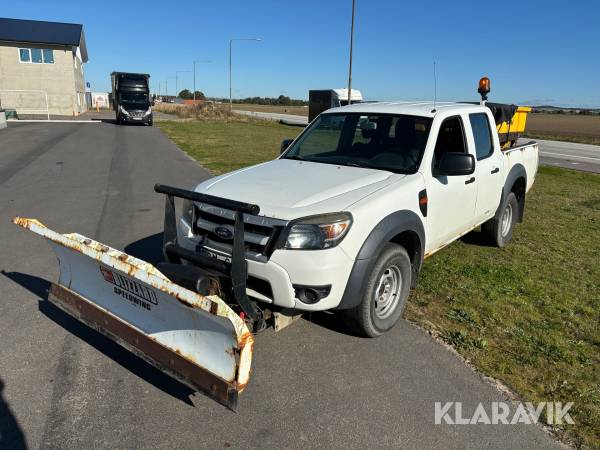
[
  {"x": 39, "y": 32},
  {"x": 425, "y": 109}
]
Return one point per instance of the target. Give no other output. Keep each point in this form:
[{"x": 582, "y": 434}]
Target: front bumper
[
  {"x": 286, "y": 268},
  {"x": 130, "y": 119}
]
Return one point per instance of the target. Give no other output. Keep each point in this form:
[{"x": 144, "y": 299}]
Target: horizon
[{"x": 546, "y": 61}]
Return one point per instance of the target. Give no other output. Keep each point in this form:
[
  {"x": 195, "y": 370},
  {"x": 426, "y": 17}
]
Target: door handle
[
  {"x": 496, "y": 170},
  {"x": 470, "y": 180}
]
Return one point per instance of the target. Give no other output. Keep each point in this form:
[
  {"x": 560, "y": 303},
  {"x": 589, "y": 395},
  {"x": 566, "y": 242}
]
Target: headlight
[
  {"x": 123, "y": 110},
  {"x": 147, "y": 113},
  {"x": 318, "y": 232}
]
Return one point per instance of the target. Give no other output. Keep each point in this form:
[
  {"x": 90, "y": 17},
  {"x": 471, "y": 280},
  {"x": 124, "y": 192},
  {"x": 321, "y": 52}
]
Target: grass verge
[
  {"x": 528, "y": 315},
  {"x": 223, "y": 146}
]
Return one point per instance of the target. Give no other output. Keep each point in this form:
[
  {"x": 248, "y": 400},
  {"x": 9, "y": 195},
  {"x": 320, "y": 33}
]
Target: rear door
[
  {"x": 488, "y": 170},
  {"x": 451, "y": 199}
]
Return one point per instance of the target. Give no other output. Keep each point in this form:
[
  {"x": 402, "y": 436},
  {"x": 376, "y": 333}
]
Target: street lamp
[
  {"x": 177, "y": 79},
  {"x": 350, "y": 65},
  {"x": 197, "y": 61},
  {"x": 230, "y": 42}
]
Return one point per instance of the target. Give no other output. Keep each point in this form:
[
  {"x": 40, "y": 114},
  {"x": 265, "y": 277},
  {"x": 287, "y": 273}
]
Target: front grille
[
  {"x": 137, "y": 113},
  {"x": 260, "y": 233}
]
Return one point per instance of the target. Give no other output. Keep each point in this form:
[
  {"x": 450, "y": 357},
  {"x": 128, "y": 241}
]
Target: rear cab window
[{"x": 482, "y": 135}]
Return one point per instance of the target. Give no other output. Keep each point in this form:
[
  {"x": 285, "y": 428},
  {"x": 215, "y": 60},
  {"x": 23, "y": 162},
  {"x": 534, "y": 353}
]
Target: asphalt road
[
  {"x": 65, "y": 386},
  {"x": 571, "y": 155}
]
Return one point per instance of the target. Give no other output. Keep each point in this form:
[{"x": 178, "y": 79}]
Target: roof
[
  {"x": 39, "y": 32},
  {"x": 424, "y": 109}
]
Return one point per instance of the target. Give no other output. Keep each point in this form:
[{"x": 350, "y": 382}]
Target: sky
[{"x": 535, "y": 52}]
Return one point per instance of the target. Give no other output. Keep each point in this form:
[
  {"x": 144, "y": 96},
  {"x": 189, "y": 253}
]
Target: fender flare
[
  {"x": 516, "y": 172},
  {"x": 389, "y": 227}
]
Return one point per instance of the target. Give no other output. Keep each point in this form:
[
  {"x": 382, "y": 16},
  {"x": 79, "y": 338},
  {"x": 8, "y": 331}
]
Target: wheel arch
[
  {"x": 401, "y": 227},
  {"x": 516, "y": 182}
]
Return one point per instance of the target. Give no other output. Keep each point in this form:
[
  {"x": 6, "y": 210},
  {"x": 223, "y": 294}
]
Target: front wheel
[
  {"x": 386, "y": 293},
  {"x": 500, "y": 230}
]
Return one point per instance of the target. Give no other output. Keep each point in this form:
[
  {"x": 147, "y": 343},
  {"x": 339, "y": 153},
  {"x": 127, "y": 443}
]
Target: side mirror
[
  {"x": 456, "y": 164},
  {"x": 284, "y": 145}
]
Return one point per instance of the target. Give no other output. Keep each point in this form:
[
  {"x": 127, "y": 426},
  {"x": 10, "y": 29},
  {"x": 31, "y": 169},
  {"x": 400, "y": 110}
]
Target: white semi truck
[{"x": 342, "y": 221}]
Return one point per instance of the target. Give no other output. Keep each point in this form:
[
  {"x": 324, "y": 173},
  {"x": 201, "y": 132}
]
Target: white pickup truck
[
  {"x": 342, "y": 220},
  {"x": 353, "y": 206}
]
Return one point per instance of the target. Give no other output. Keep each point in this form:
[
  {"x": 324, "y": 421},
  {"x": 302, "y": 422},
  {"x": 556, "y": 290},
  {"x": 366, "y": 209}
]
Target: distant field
[
  {"x": 565, "y": 127},
  {"x": 295, "y": 110}
]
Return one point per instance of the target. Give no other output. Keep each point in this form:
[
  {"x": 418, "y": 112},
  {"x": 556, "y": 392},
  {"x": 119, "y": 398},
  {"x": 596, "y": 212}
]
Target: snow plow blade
[{"x": 196, "y": 339}]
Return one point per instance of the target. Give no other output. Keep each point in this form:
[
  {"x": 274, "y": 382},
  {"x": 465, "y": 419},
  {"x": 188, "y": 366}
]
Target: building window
[
  {"x": 48, "y": 56},
  {"x": 36, "y": 55},
  {"x": 24, "y": 55}
]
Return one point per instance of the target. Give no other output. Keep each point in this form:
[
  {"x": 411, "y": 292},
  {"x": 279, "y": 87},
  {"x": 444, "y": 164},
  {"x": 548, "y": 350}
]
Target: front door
[{"x": 451, "y": 199}]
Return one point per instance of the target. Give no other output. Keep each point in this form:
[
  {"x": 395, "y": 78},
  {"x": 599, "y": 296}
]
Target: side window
[
  {"x": 451, "y": 138},
  {"x": 482, "y": 135}
]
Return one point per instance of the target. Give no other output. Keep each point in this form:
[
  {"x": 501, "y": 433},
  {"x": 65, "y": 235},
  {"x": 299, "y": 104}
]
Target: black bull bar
[{"x": 235, "y": 271}]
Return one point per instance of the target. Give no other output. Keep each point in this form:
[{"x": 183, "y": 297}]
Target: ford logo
[{"x": 224, "y": 233}]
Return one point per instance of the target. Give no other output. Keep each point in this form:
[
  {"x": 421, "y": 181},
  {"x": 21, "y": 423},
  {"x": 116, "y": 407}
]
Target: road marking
[
  {"x": 569, "y": 156},
  {"x": 52, "y": 121}
]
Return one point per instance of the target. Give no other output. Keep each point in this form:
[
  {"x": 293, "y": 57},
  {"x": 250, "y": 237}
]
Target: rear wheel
[
  {"x": 500, "y": 230},
  {"x": 386, "y": 293}
]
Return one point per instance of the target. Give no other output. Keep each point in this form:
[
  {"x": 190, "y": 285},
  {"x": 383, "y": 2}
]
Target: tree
[
  {"x": 185, "y": 94},
  {"x": 199, "y": 95}
]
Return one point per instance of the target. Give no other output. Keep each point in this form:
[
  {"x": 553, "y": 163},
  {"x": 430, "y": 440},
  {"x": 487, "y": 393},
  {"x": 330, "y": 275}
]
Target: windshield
[
  {"x": 377, "y": 141},
  {"x": 135, "y": 99}
]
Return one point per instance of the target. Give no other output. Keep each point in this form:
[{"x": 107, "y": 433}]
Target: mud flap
[{"x": 198, "y": 340}]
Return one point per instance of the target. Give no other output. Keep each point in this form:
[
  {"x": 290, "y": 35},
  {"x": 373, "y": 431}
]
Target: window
[
  {"x": 24, "y": 55},
  {"x": 451, "y": 139},
  {"x": 36, "y": 55},
  {"x": 379, "y": 141},
  {"x": 48, "y": 56},
  {"x": 482, "y": 135}
]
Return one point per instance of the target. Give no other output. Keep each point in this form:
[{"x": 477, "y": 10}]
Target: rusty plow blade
[{"x": 198, "y": 340}]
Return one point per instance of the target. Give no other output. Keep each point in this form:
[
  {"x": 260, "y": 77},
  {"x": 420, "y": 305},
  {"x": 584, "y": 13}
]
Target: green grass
[
  {"x": 528, "y": 314},
  {"x": 223, "y": 146}
]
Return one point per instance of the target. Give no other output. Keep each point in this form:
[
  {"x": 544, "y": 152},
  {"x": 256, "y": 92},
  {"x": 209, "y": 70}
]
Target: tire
[
  {"x": 150, "y": 122},
  {"x": 372, "y": 318},
  {"x": 500, "y": 231}
]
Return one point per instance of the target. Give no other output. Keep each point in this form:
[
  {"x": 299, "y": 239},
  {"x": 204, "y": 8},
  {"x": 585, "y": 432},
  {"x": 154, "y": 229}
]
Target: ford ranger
[
  {"x": 341, "y": 221},
  {"x": 352, "y": 206}
]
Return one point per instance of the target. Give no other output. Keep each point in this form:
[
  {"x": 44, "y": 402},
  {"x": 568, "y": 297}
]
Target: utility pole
[
  {"x": 351, "y": 47},
  {"x": 230, "y": 42}
]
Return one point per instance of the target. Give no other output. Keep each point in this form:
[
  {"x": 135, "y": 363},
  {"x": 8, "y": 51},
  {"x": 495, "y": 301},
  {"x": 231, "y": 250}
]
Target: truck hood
[{"x": 288, "y": 189}]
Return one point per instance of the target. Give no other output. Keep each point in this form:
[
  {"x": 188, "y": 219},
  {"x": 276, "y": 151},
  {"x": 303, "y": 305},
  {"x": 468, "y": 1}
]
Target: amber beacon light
[{"x": 484, "y": 88}]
